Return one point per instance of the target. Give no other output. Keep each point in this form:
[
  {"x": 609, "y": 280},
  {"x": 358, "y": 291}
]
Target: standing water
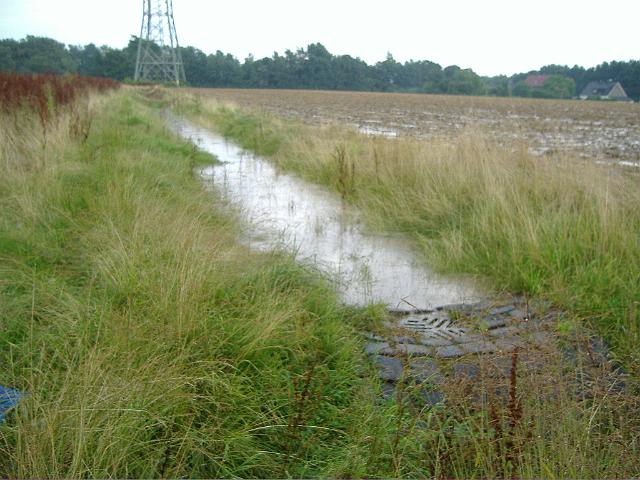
[{"x": 282, "y": 210}]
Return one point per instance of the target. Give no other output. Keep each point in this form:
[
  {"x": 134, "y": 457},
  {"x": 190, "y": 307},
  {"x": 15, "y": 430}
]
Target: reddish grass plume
[{"x": 44, "y": 94}]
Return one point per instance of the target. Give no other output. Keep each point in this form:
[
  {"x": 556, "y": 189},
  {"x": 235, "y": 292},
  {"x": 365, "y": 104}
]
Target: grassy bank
[
  {"x": 553, "y": 227},
  {"x": 149, "y": 343}
]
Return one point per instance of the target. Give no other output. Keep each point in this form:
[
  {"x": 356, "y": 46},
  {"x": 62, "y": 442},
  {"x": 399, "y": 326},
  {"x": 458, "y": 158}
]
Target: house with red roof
[{"x": 536, "y": 81}]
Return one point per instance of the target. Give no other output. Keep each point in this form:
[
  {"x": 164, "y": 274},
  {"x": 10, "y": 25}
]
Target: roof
[
  {"x": 536, "y": 81},
  {"x": 598, "y": 89}
]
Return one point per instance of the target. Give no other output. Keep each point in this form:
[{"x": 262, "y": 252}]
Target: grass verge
[
  {"x": 150, "y": 344},
  {"x": 555, "y": 228}
]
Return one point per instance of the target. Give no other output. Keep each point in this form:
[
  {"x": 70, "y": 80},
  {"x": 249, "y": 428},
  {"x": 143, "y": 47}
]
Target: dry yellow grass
[{"x": 605, "y": 131}]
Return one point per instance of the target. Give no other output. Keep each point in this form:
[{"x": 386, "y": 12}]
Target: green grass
[
  {"x": 150, "y": 343},
  {"x": 555, "y": 228}
]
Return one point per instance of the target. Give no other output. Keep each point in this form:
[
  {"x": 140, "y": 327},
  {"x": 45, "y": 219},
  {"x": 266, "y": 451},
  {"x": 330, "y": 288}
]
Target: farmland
[{"x": 604, "y": 131}]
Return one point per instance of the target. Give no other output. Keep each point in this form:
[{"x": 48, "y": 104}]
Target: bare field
[{"x": 604, "y": 131}]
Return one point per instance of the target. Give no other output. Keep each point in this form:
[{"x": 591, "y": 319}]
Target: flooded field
[
  {"x": 603, "y": 131},
  {"x": 283, "y": 211}
]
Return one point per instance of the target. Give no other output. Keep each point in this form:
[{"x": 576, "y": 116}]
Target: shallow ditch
[
  {"x": 443, "y": 331},
  {"x": 283, "y": 211}
]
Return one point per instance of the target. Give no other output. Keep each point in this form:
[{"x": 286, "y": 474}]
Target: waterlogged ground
[
  {"x": 443, "y": 333},
  {"x": 603, "y": 131},
  {"x": 281, "y": 210}
]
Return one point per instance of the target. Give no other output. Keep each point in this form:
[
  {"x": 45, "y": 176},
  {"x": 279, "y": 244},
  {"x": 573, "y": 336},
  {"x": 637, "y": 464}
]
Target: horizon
[
  {"x": 492, "y": 39},
  {"x": 371, "y": 64}
]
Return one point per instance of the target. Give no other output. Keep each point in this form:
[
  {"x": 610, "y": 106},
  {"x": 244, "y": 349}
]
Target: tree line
[{"x": 313, "y": 67}]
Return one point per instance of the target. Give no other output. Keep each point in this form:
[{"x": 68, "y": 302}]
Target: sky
[{"x": 490, "y": 36}]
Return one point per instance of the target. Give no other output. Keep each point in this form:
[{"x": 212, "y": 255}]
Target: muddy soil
[{"x": 603, "y": 131}]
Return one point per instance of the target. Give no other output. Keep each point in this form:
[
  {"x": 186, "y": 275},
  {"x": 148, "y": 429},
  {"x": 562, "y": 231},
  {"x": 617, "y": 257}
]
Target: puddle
[
  {"x": 622, "y": 163},
  {"x": 281, "y": 210},
  {"x": 377, "y": 131},
  {"x": 626, "y": 163}
]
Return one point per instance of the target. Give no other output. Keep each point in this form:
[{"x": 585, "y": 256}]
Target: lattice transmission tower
[{"x": 158, "y": 50}]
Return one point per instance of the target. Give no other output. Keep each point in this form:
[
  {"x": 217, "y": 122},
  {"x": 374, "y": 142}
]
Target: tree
[
  {"x": 195, "y": 66},
  {"x": 387, "y": 73},
  {"x": 7, "y": 49},
  {"x": 256, "y": 72},
  {"x": 42, "y": 55},
  {"x": 116, "y": 64},
  {"x": 434, "y": 81},
  {"x": 313, "y": 67},
  {"x": 496, "y": 86},
  {"x": 557, "y": 86},
  {"x": 89, "y": 60},
  {"x": 464, "y": 82},
  {"x": 449, "y": 72},
  {"x": 223, "y": 70},
  {"x": 422, "y": 76},
  {"x": 351, "y": 74},
  {"x": 120, "y": 64},
  {"x": 521, "y": 89},
  {"x": 316, "y": 69}
]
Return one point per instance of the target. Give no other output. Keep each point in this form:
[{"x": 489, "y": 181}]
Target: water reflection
[{"x": 282, "y": 210}]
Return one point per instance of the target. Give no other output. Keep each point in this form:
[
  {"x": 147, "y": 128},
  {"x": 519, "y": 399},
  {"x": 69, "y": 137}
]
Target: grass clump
[
  {"x": 556, "y": 227},
  {"x": 149, "y": 343}
]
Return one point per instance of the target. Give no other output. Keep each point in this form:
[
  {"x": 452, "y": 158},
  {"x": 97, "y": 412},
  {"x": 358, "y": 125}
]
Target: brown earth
[{"x": 604, "y": 131}]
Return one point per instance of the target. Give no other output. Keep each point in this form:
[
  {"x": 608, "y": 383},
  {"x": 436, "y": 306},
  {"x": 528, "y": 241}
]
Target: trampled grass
[{"x": 149, "y": 343}]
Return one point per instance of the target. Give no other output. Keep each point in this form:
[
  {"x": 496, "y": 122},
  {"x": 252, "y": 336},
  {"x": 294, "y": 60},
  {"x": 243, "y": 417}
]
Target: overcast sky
[{"x": 490, "y": 36}]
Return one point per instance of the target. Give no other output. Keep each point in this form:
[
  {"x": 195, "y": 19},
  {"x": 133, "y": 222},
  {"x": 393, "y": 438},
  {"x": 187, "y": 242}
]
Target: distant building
[
  {"x": 609, "y": 90},
  {"x": 535, "y": 81}
]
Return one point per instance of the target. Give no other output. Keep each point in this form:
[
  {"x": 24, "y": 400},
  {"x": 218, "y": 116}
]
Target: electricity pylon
[{"x": 158, "y": 50}]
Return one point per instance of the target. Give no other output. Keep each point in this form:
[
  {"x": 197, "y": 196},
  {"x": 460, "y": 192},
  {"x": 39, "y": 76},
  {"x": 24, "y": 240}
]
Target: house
[
  {"x": 535, "y": 81},
  {"x": 608, "y": 90}
]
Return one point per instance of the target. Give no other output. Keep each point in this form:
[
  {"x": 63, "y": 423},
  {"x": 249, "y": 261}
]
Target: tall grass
[
  {"x": 554, "y": 227},
  {"x": 149, "y": 343}
]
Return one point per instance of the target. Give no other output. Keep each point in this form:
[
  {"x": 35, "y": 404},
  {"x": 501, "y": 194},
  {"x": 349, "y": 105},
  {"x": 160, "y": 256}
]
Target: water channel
[{"x": 281, "y": 210}]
